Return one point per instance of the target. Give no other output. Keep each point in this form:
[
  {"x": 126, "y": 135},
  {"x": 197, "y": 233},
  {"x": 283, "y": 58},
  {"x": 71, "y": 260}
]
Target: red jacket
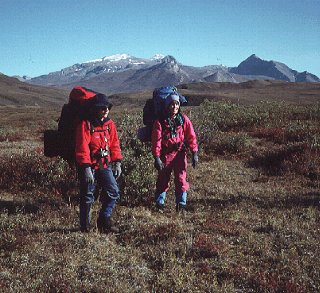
[
  {"x": 89, "y": 145},
  {"x": 163, "y": 143}
]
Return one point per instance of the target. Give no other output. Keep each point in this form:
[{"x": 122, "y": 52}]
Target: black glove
[
  {"x": 89, "y": 175},
  {"x": 158, "y": 163},
  {"x": 117, "y": 170},
  {"x": 195, "y": 159}
]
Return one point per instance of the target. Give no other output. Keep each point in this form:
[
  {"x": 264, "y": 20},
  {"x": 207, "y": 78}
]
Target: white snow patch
[
  {"x": 158, "y": 57},
  {"x": 112, "y": 58},
  {"x": 117, "y": 57},
  {"x": 93, "y": 61}
]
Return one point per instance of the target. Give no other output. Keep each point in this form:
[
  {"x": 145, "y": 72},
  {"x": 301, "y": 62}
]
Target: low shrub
[
  {"x": 224, "y": 143},
  {"x": 226, "y": 116},
  {"x": 296, "y": 158},
  {"x": 10, "y": 134},
  {"x": 293, "y": 132},
  {"x": 205, "y": 246},
  {"x": 232, "y": 144},
  {"x": 299, "y": 131},
  {"x": 33, "y": 172},
  {"x": 138, "y": 179},
  {"x": 273, "y": 282},
  {"x": 275, "y": 134}
]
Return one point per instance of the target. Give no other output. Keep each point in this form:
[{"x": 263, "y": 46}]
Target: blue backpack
[{"x": 155, "y": 109}]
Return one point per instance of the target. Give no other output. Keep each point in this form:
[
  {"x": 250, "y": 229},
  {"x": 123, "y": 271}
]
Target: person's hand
[
  {"x": 89, "y": 175},
  {"x": 195, "y": 159},
  {"x": 158, "y": 163},
  {"x": 117, "y": 170}
]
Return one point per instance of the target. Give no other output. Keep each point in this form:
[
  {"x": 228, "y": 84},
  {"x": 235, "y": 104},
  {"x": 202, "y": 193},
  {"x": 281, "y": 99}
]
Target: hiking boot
[
  {"x": 85, "y": 229},
  {"x": 160, "y": 207},
  {"x": 85, "y": 218},
  {"x": 181, "y": 208},
  {"x": 106, "y": 226}
]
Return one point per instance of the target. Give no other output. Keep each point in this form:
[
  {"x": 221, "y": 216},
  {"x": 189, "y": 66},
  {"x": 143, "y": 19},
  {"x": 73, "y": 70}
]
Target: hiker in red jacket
[
  {"x": 97, "y": 149},
  {"x": 170, "y": 139}
]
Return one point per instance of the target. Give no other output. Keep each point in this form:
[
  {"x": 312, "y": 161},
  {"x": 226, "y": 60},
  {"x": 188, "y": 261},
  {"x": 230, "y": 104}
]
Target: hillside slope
[{"x": 16, "y": 93}]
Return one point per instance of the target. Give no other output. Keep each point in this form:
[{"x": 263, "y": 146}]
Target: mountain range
[
  {"x": 16, "y": 94},
  {"x": 125, "y": 73}
]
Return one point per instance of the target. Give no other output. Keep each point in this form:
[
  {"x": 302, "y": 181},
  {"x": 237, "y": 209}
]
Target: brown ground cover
[{"x": 252, "y": 223}]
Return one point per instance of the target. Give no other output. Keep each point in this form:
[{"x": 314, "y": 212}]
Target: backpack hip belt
[{"x": 177, "y": 147}]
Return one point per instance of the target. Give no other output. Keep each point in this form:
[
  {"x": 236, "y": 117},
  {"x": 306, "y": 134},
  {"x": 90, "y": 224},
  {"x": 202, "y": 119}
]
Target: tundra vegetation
[{"x": 252, "y": 223}]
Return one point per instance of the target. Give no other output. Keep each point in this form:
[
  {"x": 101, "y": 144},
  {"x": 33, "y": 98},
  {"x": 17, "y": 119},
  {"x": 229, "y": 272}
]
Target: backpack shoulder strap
[
  {"x": 92, "y": 129},
  {"x": 183, "y": 124},
  {"x": 90, "y": 126}
]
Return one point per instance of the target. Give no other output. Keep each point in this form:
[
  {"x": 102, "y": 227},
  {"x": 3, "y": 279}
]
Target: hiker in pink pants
[{"x": 171, "y": 137}]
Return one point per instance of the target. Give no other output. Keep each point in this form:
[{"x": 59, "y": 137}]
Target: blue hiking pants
[{"x": 109, "y": 196}]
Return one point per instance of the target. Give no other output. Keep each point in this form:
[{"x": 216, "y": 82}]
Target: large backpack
[
  {"x": 61, "y": 142},
  {"x": 154, "y": 109}
]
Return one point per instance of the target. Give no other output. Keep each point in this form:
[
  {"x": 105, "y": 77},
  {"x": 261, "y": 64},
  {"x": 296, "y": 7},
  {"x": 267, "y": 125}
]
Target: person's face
[
  {"x": 103, "y": 112},
  {"x": 174, "y": 108}
]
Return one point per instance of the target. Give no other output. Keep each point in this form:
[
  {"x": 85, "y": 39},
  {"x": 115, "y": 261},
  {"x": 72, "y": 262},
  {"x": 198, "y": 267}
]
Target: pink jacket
[{"x": 163, "y": 143}]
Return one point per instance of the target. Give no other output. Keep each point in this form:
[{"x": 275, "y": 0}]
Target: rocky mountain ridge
[{"x": 126, "y": 73}]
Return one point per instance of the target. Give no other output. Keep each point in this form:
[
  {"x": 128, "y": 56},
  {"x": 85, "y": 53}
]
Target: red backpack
[{"x": 61, "y": 142}]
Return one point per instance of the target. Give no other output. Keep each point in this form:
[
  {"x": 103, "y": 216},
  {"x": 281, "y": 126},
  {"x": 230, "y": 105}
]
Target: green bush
[
  {"x": 138, "y": 179},
  {"x": 299, "y": 131},
  {"x": 225, "y": 116},
  {"x": 10, "y": 134},
  {"x": 232, "y": 144}
]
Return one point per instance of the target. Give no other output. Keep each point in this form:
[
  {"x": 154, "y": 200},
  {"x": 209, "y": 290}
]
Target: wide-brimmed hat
[
  {"x": 171, "y": 98},
  {"x": 101, "y": 100}
]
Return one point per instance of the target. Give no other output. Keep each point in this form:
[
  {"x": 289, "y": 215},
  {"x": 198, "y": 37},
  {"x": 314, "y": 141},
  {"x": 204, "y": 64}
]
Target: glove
[
  {"x": 195, "y": 159},
  {"x": 89, "y": 176},
  {"x": 117, "y": 170},
  {"x": 158, "y": 163}
]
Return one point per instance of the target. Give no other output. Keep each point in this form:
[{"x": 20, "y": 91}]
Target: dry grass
[{"x": 245, "y": 230}]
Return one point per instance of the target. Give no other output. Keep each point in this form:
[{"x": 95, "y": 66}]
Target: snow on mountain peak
[
  {"x": 117, "y": 57},
  {"x": 112, "y": 58},
  {"x": 158, "y": 57}
]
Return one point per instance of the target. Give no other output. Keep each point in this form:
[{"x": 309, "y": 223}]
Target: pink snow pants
[{"x": 177, "y": 162}]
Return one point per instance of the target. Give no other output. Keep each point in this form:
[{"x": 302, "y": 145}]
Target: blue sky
[{"x": 42, "y": 36}]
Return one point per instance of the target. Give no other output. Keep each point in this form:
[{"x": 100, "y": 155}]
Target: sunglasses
[{"x": 104, "y": 108}]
